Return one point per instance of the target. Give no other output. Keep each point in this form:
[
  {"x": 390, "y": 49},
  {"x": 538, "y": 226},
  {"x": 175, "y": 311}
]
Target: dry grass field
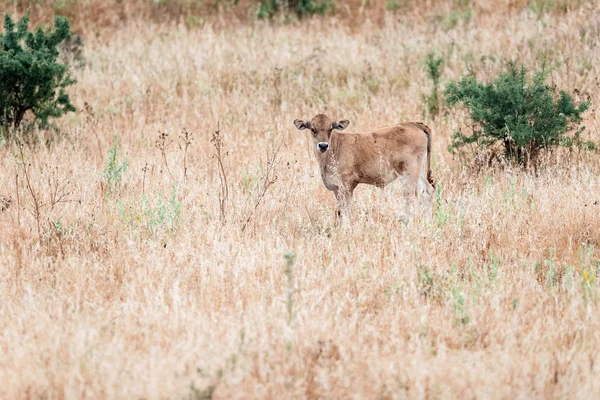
[{"x": 159, "y": 279}]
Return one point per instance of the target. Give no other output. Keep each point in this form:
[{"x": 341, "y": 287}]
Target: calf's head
[{"x": 321, "y": 127}]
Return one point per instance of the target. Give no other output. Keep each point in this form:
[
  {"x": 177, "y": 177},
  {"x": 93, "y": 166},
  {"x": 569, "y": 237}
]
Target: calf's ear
[
  {"x": 341, "y": 124},
  {"x": 301, "y": 124}
]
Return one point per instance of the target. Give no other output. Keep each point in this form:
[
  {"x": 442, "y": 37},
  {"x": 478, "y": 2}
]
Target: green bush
[
  {"x": 520, "y": 113},
  {"x": 31, "y": 78},
  {"x": 268, "y": 8},
  {"x": 310, "y": 7}
]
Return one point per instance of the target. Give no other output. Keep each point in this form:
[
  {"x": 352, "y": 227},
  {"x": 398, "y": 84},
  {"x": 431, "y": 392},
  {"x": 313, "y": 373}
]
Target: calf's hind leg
[{"x": 410, "y": 183}]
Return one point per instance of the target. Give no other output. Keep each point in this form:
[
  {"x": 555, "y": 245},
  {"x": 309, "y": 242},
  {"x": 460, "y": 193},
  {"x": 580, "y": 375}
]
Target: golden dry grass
[
  {"x": 494, "y": 296},
  {"x": 96, "y": 15}
]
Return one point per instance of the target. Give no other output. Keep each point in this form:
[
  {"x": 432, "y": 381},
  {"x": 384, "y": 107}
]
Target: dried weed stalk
[
  {"x": 162, "y": 143},
  {"x": 56, "y": 192},
  {"x": 144, "y": 170},
  {"x": 269, "y": 179},
  {"x": 23, "y": 163},
  {"x": 92, "y": 121},
  {"x": 186, "y": 142},
  {"x": 59, "y": 189},
  {"x": 220, "y": 154}
]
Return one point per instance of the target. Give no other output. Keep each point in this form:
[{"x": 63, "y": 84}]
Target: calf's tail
[{"x": 427, "y": 131}]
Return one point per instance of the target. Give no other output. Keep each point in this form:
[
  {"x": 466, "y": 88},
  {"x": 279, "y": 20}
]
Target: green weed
[{"x": 113, "y": 170}]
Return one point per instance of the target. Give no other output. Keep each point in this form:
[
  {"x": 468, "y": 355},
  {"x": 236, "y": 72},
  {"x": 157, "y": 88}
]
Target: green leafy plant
[
  {"x": 31, "y": 78},
  {"x": 269, "y": 8},
  {"x": 519, "y": 112},
  {"x": 114, "y": 171},
  {"x": 163, "y": 214},
  {"x": 310, "y": 7},
  {"x": 154, "y": 216},
  {"x": 433, "y": 67},
  {"x": 394, "y": 5},
  {"x": 458, "y": 300}
]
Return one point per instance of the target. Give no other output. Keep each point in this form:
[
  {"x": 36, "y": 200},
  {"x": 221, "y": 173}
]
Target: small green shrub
[
  {"x": 458, "y": 300},
  {"x": 310, "y": 7},
  {"x": 269, "y": 8},
  {"x": 433, "y": 66},
  {"x": 520, "y": 113},
  {"x": 113, "y": 171},
  {"x": 395, "y": 5},
  {"x": 161, "y": 215},
  {"x": 31, "y": 78}
]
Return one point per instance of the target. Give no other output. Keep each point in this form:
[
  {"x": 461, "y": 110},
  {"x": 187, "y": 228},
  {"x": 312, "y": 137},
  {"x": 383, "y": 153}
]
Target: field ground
[{"x": 154, "y": 282}]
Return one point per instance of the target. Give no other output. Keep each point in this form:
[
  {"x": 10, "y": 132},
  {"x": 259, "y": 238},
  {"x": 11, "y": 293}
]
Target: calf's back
[{"x": 374, "y": 157}]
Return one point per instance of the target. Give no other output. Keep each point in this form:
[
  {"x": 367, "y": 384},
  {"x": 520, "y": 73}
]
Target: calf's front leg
[{"x": 344, "y": 201}]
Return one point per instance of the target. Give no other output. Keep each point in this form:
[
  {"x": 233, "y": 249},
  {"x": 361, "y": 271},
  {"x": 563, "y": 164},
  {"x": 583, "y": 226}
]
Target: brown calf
[{"x": 375, "y": 158}]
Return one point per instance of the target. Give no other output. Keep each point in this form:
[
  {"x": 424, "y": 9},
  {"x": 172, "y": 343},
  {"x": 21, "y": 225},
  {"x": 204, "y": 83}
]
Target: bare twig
[
  {"x": 269, "y": 179},
  {"x": 162, "y": 143},
  {"x": 217, "y": 141},
  {"x": 92, "y": 120},
  {"x": 186, "y": 138},
  {"x": 59, "y": 190},
  {"x": 145, "y": 169},
  {"x": 18, "y": 199},
  {"x": 36, "y": 202}
]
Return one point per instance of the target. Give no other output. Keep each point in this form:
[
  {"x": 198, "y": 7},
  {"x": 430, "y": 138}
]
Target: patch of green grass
[
  {"x": 442, "y": 212},
  {"x": 452, "y": 20},
  {"x": 395, "y": 5},
  {"x": 114, "y": 170},
  {"x": 153, "y": 215}
]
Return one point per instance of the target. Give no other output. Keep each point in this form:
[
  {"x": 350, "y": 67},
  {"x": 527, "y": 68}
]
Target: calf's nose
[{"x": 323, "y": 146}]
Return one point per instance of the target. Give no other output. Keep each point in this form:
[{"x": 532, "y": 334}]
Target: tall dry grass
[
  {"x": 94, "y": 16},
  {"x": 122, "y": 294}
]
